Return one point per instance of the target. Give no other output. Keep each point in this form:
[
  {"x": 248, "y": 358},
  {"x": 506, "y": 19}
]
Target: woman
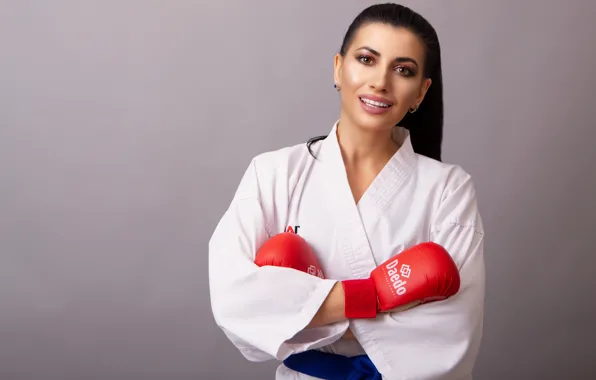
[{"x": 374, "y": 187}]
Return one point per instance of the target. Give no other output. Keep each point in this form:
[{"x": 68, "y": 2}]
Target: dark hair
[{"x": 426, "y": 124}]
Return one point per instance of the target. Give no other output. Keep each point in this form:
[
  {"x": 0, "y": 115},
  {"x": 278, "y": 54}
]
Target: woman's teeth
[{"x": 375, "y": 104}]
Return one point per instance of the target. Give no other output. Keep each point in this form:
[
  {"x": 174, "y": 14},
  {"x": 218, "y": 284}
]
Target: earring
[
  {"x": 337, "y": 88},
  {"x": 412, "y": 110}
]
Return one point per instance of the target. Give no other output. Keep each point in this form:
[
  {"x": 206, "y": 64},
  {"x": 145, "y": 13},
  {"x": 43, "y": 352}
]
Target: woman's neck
[{"x": 361, "y": 147}]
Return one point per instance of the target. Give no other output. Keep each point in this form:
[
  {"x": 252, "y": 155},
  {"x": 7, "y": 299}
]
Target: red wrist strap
[{"x": 360, "y": 298}]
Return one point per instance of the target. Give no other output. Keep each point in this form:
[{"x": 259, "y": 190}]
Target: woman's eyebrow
[{"x": 398, "y": 59}]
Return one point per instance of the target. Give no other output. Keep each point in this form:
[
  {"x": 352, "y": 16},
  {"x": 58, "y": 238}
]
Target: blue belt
[{"x": 332, "y": 366}]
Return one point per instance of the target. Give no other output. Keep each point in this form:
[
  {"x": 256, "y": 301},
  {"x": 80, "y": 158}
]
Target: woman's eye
[
  {"x": 405, "y": 71},
  {"x": 365, "y": 59}
]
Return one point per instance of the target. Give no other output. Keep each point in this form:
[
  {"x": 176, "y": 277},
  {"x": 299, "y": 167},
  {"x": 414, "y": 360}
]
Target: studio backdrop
[{"x": 125, "y": 127}]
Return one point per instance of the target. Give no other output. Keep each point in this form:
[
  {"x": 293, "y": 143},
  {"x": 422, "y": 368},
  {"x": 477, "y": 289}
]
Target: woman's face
[{"x": 380, "y": 76}]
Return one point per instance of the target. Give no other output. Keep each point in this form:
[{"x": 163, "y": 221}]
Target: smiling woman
[
  {"x": 391, "y": 55},
  {"x": 361, "y": 254},
  {"x": 386, "y": 79}
]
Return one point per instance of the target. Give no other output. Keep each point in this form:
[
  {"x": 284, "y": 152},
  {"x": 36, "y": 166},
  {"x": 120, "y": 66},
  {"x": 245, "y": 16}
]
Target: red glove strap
[{"x": 360, "y": 298}]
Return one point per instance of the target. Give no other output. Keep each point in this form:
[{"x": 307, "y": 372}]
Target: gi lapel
[
  {"x": 383, "y": 190},
  {"x": 353, "y": 221}
]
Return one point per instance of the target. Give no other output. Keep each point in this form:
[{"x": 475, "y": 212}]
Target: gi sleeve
[
  {"x": 263, "y": 311},
  {"x": 440, "y": 339}
]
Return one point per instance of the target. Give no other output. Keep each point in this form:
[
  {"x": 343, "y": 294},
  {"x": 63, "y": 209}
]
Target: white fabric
[{"x": 264, "y": 311}]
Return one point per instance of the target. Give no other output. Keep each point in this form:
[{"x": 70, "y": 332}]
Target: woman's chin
[{"x": 375, "y": 122}]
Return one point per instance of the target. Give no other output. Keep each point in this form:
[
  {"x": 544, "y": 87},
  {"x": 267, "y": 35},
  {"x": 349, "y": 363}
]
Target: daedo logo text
[{"x": 396, "y": 276}]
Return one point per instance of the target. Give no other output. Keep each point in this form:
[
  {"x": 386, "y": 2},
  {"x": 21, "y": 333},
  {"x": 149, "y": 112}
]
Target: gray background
[{"x": 125, "y": 127}]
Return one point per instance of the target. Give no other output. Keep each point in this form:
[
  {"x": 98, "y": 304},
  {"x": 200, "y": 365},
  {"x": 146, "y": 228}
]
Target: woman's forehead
[{"x": 388, "y": 41}]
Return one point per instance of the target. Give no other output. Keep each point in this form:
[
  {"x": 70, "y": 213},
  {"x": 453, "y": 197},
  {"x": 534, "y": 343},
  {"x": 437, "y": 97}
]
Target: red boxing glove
[
  {"x": 289, "y": 250},
  {"x": 423, "y": 273}
]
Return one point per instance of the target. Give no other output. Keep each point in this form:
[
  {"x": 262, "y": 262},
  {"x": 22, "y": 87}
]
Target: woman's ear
[
  {"x": 337, "y": 67},
  {"x": 424, "y": 86}
]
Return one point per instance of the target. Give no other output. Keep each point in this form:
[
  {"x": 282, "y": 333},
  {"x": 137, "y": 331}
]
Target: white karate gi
[{"x": 263, "y": 311}]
